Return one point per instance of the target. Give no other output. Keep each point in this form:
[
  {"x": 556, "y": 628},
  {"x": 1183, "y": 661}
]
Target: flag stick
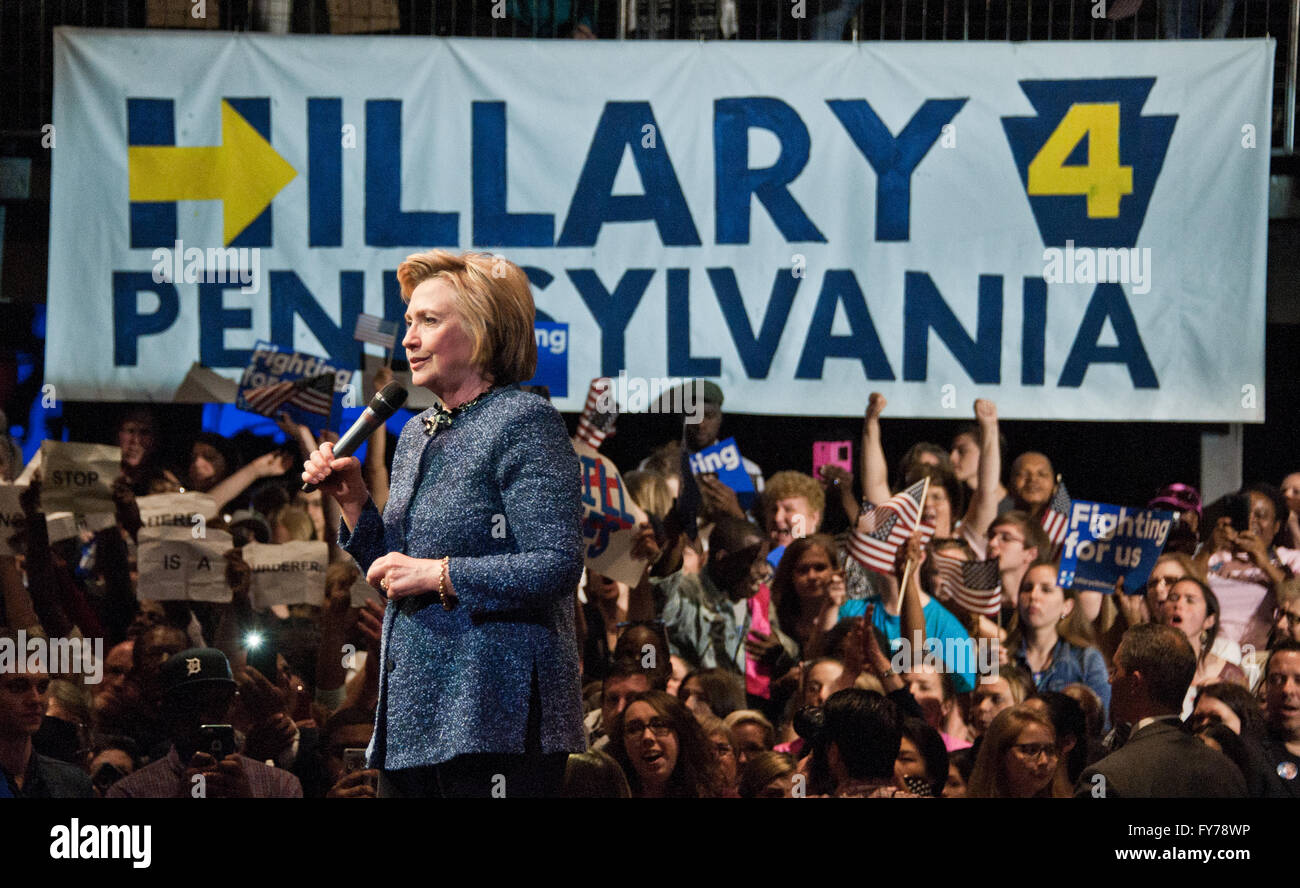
[
  {"x": 907, "y": 568},
  {"x": 902, "y": 587}
]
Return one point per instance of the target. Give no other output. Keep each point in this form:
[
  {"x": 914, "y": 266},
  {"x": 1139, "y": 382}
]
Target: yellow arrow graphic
[{"x": 244, "y": 172}]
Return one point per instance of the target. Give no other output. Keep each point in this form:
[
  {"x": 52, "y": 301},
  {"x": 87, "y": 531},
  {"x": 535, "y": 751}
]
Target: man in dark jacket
[
  {"x": 24, "y": 773},
  {"x": 1154, "y": 666}
]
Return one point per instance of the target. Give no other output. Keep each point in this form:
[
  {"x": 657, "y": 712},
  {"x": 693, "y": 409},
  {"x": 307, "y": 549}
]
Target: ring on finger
[{"x": 383, "y": 584}]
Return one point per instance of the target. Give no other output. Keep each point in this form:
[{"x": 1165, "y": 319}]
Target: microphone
[{"x": 381, "y": 407}]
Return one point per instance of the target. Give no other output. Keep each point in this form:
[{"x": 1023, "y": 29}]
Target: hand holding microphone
[
  {"x": 332, "y": 467},
  {"x": 338, "y": 476}
]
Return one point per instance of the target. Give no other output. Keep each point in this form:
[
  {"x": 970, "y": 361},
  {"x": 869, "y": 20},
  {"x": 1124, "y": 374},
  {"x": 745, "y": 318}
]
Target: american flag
[
  {"x": 875, "y": 541},
  {"x": 974, "y": 586},
  {"x": 595, "y": 425},
  {"x": 1056, "y": 517},
  {"x": 314, "y": 394},
  {"x": 376, "y": 330}
]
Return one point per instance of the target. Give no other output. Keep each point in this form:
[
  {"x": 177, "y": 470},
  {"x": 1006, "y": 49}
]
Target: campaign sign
[
  {"x": 609, "y": 520},
  {"x": 1107, "y": 542},
  {"x": 723, "y": 459},
  {"x": 552, "y": 358},
  {"x": 265, "y": 387}
]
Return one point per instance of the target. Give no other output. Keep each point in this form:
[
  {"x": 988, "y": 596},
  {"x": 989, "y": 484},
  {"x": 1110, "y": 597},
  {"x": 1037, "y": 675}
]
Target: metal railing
[{"x": 26, "y": 28}]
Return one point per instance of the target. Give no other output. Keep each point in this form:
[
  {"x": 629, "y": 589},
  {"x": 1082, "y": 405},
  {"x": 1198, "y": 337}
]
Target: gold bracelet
[{"x": 448, "y": 600}]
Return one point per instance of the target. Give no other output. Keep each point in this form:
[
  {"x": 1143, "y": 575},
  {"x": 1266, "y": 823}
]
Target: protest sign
[
  {"x": 723, "y": 459},
  {"x": 1106, "y": 542},
  {"x": 287, "y": 573},
  {"x": 174, "y": 566},
  {"x": 61, "y": 526},
  {"x": 609, "y": 519},
  {"x": 177, "y": 510},
  {"x": 78, "y": 477}
]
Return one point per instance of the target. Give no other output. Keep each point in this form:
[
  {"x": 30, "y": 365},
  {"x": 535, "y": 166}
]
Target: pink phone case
[{"x": 833, "y": 453}]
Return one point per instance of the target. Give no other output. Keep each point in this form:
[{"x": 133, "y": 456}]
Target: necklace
[{"x": 442, "y": 417}]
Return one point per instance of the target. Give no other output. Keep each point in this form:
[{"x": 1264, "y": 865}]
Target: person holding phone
[
  {"x": 478, "y": 550},
  {"x": 197, "y": 692}
]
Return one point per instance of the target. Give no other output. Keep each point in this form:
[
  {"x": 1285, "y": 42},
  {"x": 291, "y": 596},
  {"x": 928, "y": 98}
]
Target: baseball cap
[
  {"x": 1179, "y": 497},
  {"x": 194, "y": 667}
]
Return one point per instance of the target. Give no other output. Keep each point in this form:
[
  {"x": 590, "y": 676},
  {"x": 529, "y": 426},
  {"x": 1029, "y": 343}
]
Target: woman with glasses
[
  {"x": 1018, "y": 758},
  {"x": 662, "y": 749}
]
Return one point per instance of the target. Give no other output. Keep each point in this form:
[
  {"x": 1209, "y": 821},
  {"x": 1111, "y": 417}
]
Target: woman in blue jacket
[{"x": 479, "y": 549}]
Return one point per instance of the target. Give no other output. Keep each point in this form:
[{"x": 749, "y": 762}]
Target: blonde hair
[
  {"x": 297, "y": 522},
  {"x": 495, "y": 302},
  {"x": 650, "y": 491},
  {"x": 784, "y": 485}
]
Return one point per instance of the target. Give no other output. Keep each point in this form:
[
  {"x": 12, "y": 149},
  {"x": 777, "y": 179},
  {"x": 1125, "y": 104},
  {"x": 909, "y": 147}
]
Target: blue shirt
[
  {"x": 940, "y": 625},
  {"x": 1070, "y": 664}
]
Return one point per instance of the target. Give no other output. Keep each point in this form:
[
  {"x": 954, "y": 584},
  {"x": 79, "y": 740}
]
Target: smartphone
[
  {"x": 260, "y": 645},
  {"x": 833, "y": 453},
  {"x": 217, "y": 741},
  {"x": 1238, "y": 511},
  {"x": 354, "y": 759}
]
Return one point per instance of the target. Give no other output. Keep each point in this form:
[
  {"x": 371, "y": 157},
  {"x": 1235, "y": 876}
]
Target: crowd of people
[{"x": 756, "y": 657}]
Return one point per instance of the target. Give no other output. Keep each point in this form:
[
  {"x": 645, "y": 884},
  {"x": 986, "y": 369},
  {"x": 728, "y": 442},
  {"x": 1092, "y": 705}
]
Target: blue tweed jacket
[{"x": 500, "y": 493}]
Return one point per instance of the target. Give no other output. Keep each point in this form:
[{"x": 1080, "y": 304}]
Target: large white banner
[{"x": 1076, "y": 230}]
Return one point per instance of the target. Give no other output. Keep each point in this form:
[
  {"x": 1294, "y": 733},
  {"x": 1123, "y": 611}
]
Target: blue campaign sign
[
  {"x": 723, "y": 459},
  {"x": 1106, "y": 542},
  {"x": 276, "y": 380},
  {"x": 552, "y": 358}
]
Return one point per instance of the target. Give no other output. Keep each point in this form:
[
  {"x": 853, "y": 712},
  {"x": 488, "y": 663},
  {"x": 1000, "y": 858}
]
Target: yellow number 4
[{"x": 1102, "y": 179}]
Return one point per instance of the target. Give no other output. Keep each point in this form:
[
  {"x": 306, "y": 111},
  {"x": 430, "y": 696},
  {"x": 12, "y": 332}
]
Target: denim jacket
[{"x": 1071, "y": 663}]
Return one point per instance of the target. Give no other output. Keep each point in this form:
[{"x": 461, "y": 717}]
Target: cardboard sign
[
  {"x": 176, "y": 509},
  {"x": 609, "y": 519},
  {"x": 1106, "y": 542},
  {"x": 287, "y": 573},
  {"x": 723, "y": 459},
  {"x": 175, "y": 566},
  {"x": 79, "y": 477},
  {"x": 61, "y": 526}
]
